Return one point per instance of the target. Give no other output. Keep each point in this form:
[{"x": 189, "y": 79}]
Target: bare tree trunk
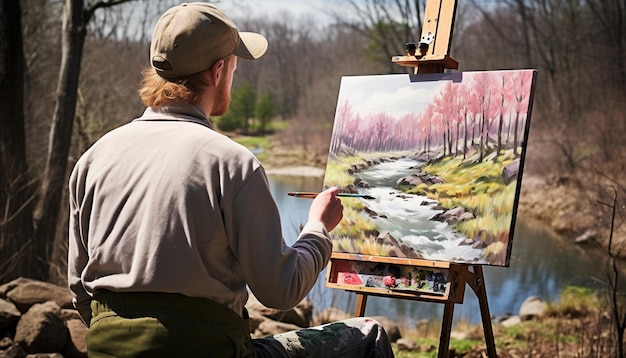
[
  {"x": 52, "y": 184},
  {"x": 15, "y": 191},
  {"x": 611, "y": 15},
  {"x": 46, "y": 214}
]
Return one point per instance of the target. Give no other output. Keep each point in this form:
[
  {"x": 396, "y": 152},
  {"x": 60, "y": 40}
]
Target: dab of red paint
[
  {"x": 351, "y": 279},
  {"x": 389, "y": 281}
]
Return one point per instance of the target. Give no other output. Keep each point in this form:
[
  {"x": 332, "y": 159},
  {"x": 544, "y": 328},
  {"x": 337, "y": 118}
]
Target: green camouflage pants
[{"x": 172, "y": 325}]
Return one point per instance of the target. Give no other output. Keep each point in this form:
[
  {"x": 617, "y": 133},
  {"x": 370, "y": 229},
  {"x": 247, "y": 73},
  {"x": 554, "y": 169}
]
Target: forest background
[{"x": 69, "y": 72}]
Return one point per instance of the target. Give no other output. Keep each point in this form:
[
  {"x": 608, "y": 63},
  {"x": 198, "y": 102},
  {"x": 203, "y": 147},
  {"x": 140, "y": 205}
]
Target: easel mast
[{"x": 430, "y": 56}]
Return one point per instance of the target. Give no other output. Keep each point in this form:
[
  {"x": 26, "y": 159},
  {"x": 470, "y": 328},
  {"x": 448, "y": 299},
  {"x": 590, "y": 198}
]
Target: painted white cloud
[{"x": 392, "y": 94}]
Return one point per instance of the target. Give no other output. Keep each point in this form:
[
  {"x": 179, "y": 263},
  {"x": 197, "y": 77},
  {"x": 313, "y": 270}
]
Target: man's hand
[{"x": 327, "y": 208}]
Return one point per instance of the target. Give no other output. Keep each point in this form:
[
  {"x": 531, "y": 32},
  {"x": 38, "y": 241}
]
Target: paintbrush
[{"x": 311, "y": 195}]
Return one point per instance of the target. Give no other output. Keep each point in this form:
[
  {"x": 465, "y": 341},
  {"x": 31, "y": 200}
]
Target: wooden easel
[
  {"x": 458, "y": 276},
  {"x": 431, "y": 56}
]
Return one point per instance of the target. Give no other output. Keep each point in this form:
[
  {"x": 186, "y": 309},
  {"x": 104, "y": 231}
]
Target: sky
[
  {"x": 256, "y": 8},
  {"x": 244, "y": 9}
]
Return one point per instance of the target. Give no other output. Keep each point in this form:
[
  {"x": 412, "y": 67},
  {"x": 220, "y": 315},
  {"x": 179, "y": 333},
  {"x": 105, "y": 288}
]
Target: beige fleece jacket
[{"x": 166, "y": 204}]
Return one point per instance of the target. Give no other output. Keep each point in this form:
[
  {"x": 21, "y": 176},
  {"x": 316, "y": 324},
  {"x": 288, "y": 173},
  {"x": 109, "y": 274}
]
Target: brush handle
[
  {"x": 303, "y": 194},
  {"x": 311, "y": 195}
]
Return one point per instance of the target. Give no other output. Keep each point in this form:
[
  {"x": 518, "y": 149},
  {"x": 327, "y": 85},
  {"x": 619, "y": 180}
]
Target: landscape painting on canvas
[{"x": 439, "y": 158}]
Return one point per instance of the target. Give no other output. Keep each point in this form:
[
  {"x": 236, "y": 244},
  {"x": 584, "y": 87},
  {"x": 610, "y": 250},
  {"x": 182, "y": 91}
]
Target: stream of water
[{"x": 407, "y": 217}]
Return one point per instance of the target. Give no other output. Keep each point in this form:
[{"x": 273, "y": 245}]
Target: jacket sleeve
[
  {"x": 279, "y": 276},
  {"x": 77, "y": 252}
]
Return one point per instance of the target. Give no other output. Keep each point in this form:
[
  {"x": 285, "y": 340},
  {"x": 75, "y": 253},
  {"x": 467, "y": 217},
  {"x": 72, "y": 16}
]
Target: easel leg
[
  {"x": 360, "y": 305},
  {"x": 478, "y": 286},
  {"x": 446, "y": 328}
]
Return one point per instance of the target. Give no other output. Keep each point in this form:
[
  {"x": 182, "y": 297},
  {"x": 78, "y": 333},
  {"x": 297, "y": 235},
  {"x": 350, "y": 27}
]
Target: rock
[
  {"x": 454, "y": 215},
  {"x": 41, "y": 329},
  {"x": 391, "y": 327},
  {"x": 404, "y": 344},
  {"x": 438, "y": 217},
  {"x": 301, "y": 315},
  {"x": 466, "y": 216},
  {"x": 510, "y": 171},
  {"x": 9, "y": 314},
  {"x": 386, "y": 238},
  {"x": 360, "y": 183},
  {"x": 511, "y": 321},
  {"x": 371, "y": 212},
  {"x": 14, "y": 351},
  {"x": 350, "y": 188},
  {"x": 329, "y": 315},
  {"x": 395, "y": 252},
  {"x": 26, "y": 292},
  {"x": 532, "y": 307},
  {"x": 411, "y": 180},
  {"x": 11, "y": 285},
  {"x": 410, "y": 252},
  {"x": 589, "y": 235},
  {"x": 479, "y": 245},
  {"x": 68, "y": 314},
  {"x": 455, "y": 211},
  {"x": 431, "y": 180},
  {"x": 76, "y": 346},
  {"x": 255, "y": 320},
  {"x": 5, "y": 343},
  {"x": 269, "y": 327},
  {"x": 459, "y": 335}
]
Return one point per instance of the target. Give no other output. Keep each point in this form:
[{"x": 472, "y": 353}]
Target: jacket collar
[{"x": 176, "y": 112}]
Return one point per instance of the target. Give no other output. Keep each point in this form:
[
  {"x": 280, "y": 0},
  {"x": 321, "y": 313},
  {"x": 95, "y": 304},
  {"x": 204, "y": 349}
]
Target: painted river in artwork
[
  {"x": 407, "y": 217},
  {"x": 541, "y": 265}
]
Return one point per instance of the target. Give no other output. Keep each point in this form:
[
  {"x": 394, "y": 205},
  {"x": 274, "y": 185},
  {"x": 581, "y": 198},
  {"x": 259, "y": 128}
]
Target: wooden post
[
  {"x": 361, "y": 301},
  {"x": 446, "y": 328},
  {"x": 477, "y": 283}
]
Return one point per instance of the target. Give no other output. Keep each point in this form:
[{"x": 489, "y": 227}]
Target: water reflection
[{"x": 541, "y": 265}]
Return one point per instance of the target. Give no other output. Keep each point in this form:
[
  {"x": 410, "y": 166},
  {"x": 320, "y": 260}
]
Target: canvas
[{"x": 440, "y": 157}]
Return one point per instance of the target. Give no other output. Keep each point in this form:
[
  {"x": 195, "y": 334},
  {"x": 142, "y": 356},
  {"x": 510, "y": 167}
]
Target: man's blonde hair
[{"x": 157, "y": 91}]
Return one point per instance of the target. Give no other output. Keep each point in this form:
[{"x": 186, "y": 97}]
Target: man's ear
[{"x": 217, "y": 71}]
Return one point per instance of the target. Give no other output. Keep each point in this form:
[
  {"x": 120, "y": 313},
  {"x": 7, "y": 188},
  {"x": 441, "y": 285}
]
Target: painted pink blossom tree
[
  {"x": 427, "y": 128},
  {"x": 522, "y": 81},
  {"x": 464, "y": 106},
  {"x": 343, "y": 118},
  {"x": 505, "y": 95},
  {"x": 481, "y": 89}
]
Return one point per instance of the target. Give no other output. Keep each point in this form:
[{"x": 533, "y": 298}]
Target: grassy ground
[{"x": 579, "y": 325}]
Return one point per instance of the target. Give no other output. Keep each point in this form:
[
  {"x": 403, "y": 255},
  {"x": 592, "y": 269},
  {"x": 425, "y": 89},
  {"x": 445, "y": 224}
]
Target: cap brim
[{"x": 252, "y": 45}]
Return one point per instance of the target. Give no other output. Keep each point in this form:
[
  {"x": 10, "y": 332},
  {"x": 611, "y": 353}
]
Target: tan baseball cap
[{"x": 191, "y": 37}]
